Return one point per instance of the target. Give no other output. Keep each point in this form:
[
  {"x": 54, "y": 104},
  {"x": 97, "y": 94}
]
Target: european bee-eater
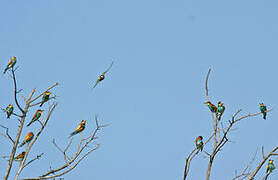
[
  {"x": 263, "y": 110},
  {"x": 220, "y": 110},
  {"x": 27, "y": 139},
  {"x": 79, "y": 129},
  {"x": 9, "y": 110},
  {"x": 199, "y": 143},
  {"x": 270, "y": 166},
  {"x": 102, "y": 76},
  {"x": 36, "y": 116},
  {"x": 20, "y": 156},
  {"x": 45, "y": 97},
  {"x": 211, "y": 106},
  {"x": 10, "y": 64}
]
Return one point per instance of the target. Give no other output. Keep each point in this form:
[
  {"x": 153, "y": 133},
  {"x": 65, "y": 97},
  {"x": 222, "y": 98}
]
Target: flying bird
[
  {"x": 263, "y": 110},
  {"x": 20, "y": 156},
  {"x": 36, "y": 116},
  {"x": 102, "y": 76},
  {"x": 270, "y": 166},
  {"x": 27, "y": 138},
  {"x": 45, "y": 97},
  {"x": 211, "y": 106},
  {"x": 79, "y": 128},
  {"x": 10, "y": 64},
  {"x": 199, "y": 143},
  {"x": 9, "y": 110},
  {"x": 220, "y": 110}
]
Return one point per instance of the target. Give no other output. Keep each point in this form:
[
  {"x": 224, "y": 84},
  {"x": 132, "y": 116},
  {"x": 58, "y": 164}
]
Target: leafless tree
[
  {"x": 220, "y": 133},
  {"x": 86, "y": 145}
]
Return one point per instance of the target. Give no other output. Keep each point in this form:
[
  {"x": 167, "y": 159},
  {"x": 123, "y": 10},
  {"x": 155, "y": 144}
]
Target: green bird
[
  {"x": 270, "y": 166},
  {"x": 102, "y": 76},
  {"x": 36, "y": 116},
  {"x": 211, "y": 106},
  {"x": 10, "y": 64},
  {"x": 45, "y": 97},
  {"x": 263, "y": 110},
  {"x": 20, "y": 156},
  {"x": 9, "y": 110},
  {"x": 79, "y": 128},
  {"x": 199, "y": 143},
  {"x": 220, "y": 110}
]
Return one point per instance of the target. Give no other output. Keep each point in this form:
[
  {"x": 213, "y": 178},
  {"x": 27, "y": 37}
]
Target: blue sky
[{"x": 153, "y": 96}]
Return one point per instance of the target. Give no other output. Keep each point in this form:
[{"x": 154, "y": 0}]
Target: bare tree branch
[
  {"x": 7, "y": 134},
  {"x": 36, "y": 158},
  {"x": 76, "y": 159},
  {"x": 189, "y": 158},
  {"x": 262, "y": 162},
  {"x": 51, "y": 109}
]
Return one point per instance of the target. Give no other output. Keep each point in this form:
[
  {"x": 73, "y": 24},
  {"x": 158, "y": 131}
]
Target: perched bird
[
  {"x": 270, "y": 166},
  {"x": 220, "y": 110},
  {"x": 10, "y": 64},
  {"x": 199, "y": 143},
  {"x": 9, "y": 110},
  {"x": 79, "y": 129},
  {"x": 211, "y": 106},
  {"x": 36, "y": 116},
  {"x": 45, "y": 97},
  {"x": 27, "y": 139},
  {"x": 102, "y": 76},
  {"x": 263, "y": 110},
  {"x": 20, "y": 156}
]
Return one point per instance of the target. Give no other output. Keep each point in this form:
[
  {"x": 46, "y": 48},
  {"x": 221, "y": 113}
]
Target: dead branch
[
  {"x": 50, "y": 111},
  {"x": 247, "y": 170},
  {"x": 16, "y": 92},
  {"x": 77, "y": 157},
  {"x": 7, "y": 134},
  {"x": 262, "y": 162},
  {"x": 36, "y": 158},
  {"x": 189, "y": 158}
]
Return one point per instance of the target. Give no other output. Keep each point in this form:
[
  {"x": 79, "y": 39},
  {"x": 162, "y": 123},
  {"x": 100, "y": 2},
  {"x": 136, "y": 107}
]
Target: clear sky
[{"x": 153, "y": 95}]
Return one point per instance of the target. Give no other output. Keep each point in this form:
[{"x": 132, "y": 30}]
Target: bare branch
[
  {"x": 76, "y": 159},
  {"x": 56, "y": 84},
  {"x": 207, "y": 83},
  {"x": 51, "y": 109},
  {"x": 16, "y": 92},
  {"x": 262, "y": 162},
  {"x": 7, "y": 134},
  {"x": 36, "y": 158}
]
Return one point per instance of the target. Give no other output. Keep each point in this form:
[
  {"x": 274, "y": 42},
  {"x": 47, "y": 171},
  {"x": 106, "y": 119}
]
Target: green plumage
[
  {"x": 270, "y": 167},
  {"x": 36, "y": 117},
  {"x": 263, "y": 110},
  {"x": 11, "y": 64},
  {"x": 220, "y": 110},
  {"x": 9, "y": 111},
  {"x": 45, "y": 98}
]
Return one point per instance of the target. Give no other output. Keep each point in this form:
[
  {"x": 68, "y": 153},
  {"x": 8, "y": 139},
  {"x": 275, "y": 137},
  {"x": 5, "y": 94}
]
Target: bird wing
[
  {"x": 108, "y": 68},
  {"x": 35, "y": 115},
  {"x": 10, "y": 62}
]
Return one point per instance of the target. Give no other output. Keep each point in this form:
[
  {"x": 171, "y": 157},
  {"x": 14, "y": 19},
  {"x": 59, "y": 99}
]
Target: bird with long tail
[
  {"x": 36, "y": 117},
  {"x": 270, "y": 166},
  {"x": 45, "y": 97},
  {"x": 79, "y": 128},
  {"x": 102, "y": 76},
  {"x": 211, "y": 106},
  {"x": 27, "y": 139},
  {"x": 263, "y": 110},
  {"x": 11, "y": 64},
  {"x": 220, "y": 110},
  {"x": 199, "y": 143}
]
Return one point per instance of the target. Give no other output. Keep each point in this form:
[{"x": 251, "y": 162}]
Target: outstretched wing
[{"x": 108, "y": 68}]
